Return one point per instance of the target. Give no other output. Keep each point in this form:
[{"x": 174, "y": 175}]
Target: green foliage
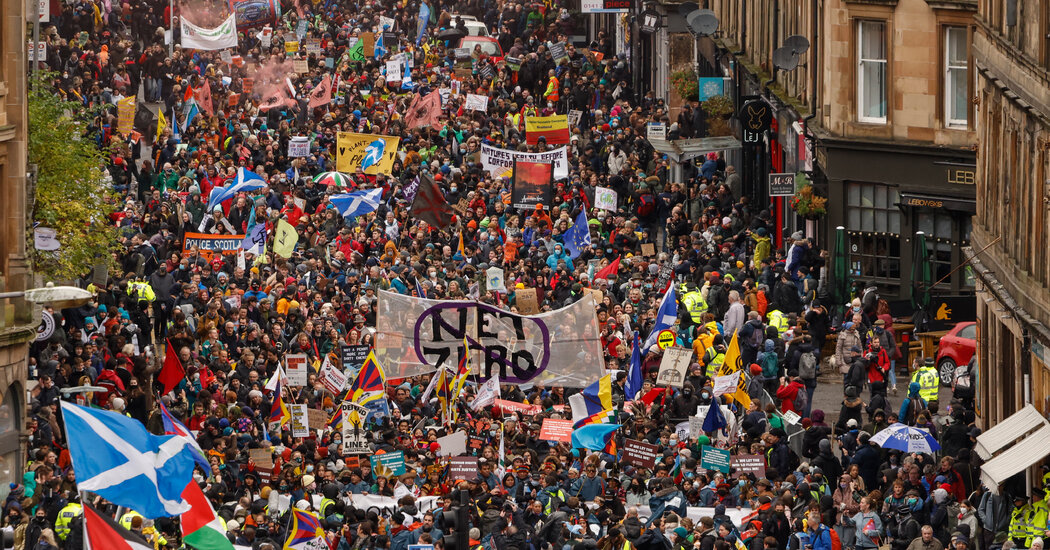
[
  {"x": 686, "y": 85},
  {"x": 72, "y": 194},
  {"x": 718, "y": 109}
]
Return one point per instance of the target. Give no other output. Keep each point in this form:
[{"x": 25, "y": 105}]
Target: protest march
[{"x": 411, "y": 276}]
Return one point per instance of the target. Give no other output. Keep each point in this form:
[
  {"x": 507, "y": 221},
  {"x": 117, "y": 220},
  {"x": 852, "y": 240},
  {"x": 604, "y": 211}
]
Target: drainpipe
[
  {"x": 813, "y": 72},
  {"x": 1026, "y": 365},
  {"x": 773, "y": 44}
]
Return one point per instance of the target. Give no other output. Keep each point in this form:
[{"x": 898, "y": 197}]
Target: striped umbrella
[
  {"x": 337, "y": 179},
  {"x": 906, "y": 438}
]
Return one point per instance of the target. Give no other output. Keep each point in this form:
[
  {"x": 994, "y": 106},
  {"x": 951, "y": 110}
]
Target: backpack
[
  {"x": 646, "y": 205},
  {"x": 807, "y": 366},
  {"x": 801, "y": 401},
  {"x": 836, "y": 542},
  {"x": 770, "y": 366}
]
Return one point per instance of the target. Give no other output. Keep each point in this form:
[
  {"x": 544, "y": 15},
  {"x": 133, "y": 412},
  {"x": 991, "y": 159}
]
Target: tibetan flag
[
  {"x": 554, "y": 128},
  {"x": 336, "y": 422},
  {"x": 305, "y": 533},
  {"x": 200, "y": 527},
  {"x": 444, "y": 392},
  {"x": 595, "y": 437},
  {"x": 172, "y": 372},
  {"x": 370, "y": 383},
  {"x": 279, "y": 415}
]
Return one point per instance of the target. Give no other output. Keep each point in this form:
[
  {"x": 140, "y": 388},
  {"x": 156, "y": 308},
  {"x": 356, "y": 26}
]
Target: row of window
[{"x": 872, "y": 82}]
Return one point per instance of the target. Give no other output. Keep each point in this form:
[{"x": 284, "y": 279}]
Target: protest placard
[
  {"x": 355, "y": 437},
  {"x": 476, "y": 102},
  {"x": 389, "y": 464},
  {"x": 639, "y": 453},
  {"x": 648, "y": 250},
  {"x": 353, "y": 356},
  {"x": 462, "y": 468},
  {"x": 605, "y": 199},
  {"x": 317, "y": 419},
  {"x": 299, "y": 146},
  {"x": 554, "y": 429},
  {"x": 726, "y": 384},
  {"x": 453, "y": 444},
  {"x": 753, "y": 464},
  {"x": 333, "y": 378},
  {"x": 295, "y": 366},
  {"x": 525, "y": 299},
  {"x": 713, "y": 458},
  {"x": 300, "y": 66},
  {"x": 673, "y": 366},
  {"x": 300, "y": 422}
]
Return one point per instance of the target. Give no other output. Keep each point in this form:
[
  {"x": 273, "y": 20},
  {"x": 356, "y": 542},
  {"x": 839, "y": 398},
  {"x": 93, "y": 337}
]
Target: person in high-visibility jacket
[
  {"x": 553, "y": 87},
  {"x": 1018, "y": 530},
  {"x": 125, "y": 520},
  {"x": 696, "y": 306},
  {"x": 713, "y": 359},
  {"x": 928, "y": 380},
  {"x": 141, "y": 290},
  {"x": 66, "y": 515},
  {"x": 779, "y": 320},
  {"x": 1037, "y": 517}
]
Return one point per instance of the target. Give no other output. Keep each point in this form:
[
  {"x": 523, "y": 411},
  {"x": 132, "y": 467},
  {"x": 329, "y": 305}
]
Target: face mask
[
  {"x": 741, "y": 482},
  {"x": 843, "y": 485}
]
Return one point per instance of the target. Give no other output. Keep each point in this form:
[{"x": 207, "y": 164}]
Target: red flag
[
  {"x": 277, "y": 97},
  {"x": 203, "y": 97},
  {"x": 188, "y": 94},
  {"x": 172, "y": 372},
  {"x": 653, "y": 395},
  {"x": 321, "y": 95},
  {"x": 609, "y": 270},
  {"x": 424, "y": 111},
  {"x": 101, "y": 531},
  {"x": 430, "y": 205}
]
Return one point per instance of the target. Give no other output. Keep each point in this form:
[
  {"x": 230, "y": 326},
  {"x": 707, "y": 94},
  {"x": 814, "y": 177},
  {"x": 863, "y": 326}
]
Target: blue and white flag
[
  {"x": 358, "y": 203},
  {"x": 115, "y": 457},
  {"x": 578, "y": 236},
  {"x": 421, "y": 24},
  {"x": 191, "y": 114},
  {"x": 255, "y": 239},
  {"x": 634, "y": 372},
  {"x": 246, "y": 181},
  {"x": 665, "y": 317}
]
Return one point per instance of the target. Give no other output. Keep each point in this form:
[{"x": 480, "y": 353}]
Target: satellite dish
[
  {"x": 785, "y": 59},
  {"x": 59, "y": 297},
  {"x": 798, "y": 44},
  {"x": 685, "y": 8},
  {"x": 702, "y": 22}
]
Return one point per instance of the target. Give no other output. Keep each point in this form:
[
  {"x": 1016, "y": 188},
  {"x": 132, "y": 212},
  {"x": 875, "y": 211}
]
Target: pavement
[{"x": 828, "y": 395}]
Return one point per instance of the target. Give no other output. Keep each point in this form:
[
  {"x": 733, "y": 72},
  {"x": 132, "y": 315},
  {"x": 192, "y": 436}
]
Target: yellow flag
[
  {"x": 285, "y": 240},
  {"x": 732, "y": 364},
  {"x": 162, "y": 123}
]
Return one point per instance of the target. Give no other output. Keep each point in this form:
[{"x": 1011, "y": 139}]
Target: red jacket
[{"x": 786, "y": 395}]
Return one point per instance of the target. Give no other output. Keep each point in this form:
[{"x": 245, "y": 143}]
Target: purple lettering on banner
[{"x": 518, "y": 368}]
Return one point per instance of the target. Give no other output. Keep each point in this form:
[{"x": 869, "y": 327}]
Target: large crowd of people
[{"x": 232, "y": 318}]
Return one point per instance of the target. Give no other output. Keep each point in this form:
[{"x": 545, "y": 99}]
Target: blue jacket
[
  {"x": 586, "y": 488},
  {"x": 821, "y": 539},
  {"x": 401, "y": 540},
  {"x": 867, "y": 458},
  {"x": 665, "y": 500},
  {"x": 559, "y": 254}
]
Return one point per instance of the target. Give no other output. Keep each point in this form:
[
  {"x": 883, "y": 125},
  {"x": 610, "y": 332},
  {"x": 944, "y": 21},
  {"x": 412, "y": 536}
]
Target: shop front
[{"x": 883, "y": 194}]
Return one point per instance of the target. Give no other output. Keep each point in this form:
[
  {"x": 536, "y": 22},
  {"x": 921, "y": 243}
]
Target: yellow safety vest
[
  {"x": 125, "y": 520},
  {"x": 929, "y": 382},
  {"x": 549, "y": 508},
  {"x": 1018, "y": 523},
  {"x": 779, "y": 320},
  {"x": 696, "y": 306},
  {"x": 1037, "y": 520},
  {"x": 67, "y": 514},
  {"x": 715, "y": 364},
  {"x": 142, "y": 290}
]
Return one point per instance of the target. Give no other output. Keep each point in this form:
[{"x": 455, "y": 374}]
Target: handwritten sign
[
  {"x": 300, "y": 421},
  {"x": 525, "y": 298},
  {"x": 295, "y": 367},
  {"x": 639, "y": 453},
  {"x": 556, "y": 430}
]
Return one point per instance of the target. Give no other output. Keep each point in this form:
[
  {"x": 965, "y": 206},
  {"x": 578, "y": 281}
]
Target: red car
[
  {"x": 489, "y": 46},
  {"x": 956, "y": 348}
]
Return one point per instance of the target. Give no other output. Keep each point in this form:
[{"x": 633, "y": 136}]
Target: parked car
[
  {"x": 956, "y": 348},
  {"x": 474, "y": 27},
  {"x": 489, "y": 46}
]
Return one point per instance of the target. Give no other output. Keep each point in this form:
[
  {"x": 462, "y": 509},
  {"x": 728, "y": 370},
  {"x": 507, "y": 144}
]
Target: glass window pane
[
  {"x": 895, "y": 222},
  {"x": 867, "y": 220},
  {"x": 872, "y": 44},
  {"x": 944, "y": 227},
  {"x": 957, "y": 46},
  {"x": 880, "y": 196},
  {"x": 854, "y": 219},
  {"x": 957, "y": 95},
  {"x": 854, "y": 194},
  {"x": 881, "y": 221},
  {"x": 926, "y": 224},
  {"x": 868, "y": 194},
  {"x": 873, "y": 100}
]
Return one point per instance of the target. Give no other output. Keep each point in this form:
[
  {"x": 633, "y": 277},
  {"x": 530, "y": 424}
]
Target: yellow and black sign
[{"x": 665, "y": 339}]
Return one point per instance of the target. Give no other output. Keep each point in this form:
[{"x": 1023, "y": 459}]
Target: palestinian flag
[
  {"x": 102, "y": 531},
  {"x": 201, "y": 529}
]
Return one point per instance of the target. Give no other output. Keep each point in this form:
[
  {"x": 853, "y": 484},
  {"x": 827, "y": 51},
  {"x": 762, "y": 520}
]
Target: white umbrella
[{"x": 906, "y": 438}]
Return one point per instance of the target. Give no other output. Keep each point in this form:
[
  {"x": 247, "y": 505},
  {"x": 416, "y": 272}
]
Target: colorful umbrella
[
  {"x": 337, "y": 179},
  {"x": 906, "y": 438}
]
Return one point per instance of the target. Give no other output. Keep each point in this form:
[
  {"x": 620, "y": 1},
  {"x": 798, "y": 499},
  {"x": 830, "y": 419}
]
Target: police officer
[
  {"x": 779, "y": 320},
  {"x": 66, "y": 515},
  {"x": 694, "y": 304},
  {"x": 713, "y": 359},
  {"x": 928, "y": 380},
  {"x": 1018, "y": 530},
  {"x": 1037, "y": 517}
]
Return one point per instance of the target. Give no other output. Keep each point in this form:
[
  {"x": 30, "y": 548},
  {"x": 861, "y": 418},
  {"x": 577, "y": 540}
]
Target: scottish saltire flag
[
  {"x": 172, "y": 426},
  {"x": 578, "y": 236},
  {"x": 190, "y": 115},
  {"x": 305, "y": 532},
  {"x": 421, "y": 23},
  {"x": 665, "y": 317},
  {"x": 370, "y": 383},
  {"x": 246, "y": 181},
  {"x": 634, "y": 372},
  {"x": 714, "y": 420},
  {"x": 116, "y": 458},
  {"x": 358, "y": 203}
]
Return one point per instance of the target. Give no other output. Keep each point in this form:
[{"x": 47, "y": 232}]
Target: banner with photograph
[{"x": 531, "y": 184}]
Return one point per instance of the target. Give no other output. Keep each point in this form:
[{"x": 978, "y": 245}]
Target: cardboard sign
[
  {"x": 333, "y": 378},
  {"x": 754, "y": 464},
  {"x": 247, "y": 85},
  {"x": 208, "y": 244},
  {"x": 726, "y": 384},
  {"x": 300, "y": 66},
  {"x": 368, "y": 45},
  {"x": 389, "y": 464},
  {"x": 463, "y": 468},
  {"x": 355, "y": 437},
  {"x": 296, "y": 368},
  {"x": 299, "y": 147},
  {"x": 525, "y": 298},
  {"x": 226, "y": 56},
  {"x": 262, "y": 458},
  {"x": 313, "y": 45},
  {"x": 353, "y": 356},
  {"x": 640, "y": 453},
  {"x": 574, "y": 119},
  {"x": 454, "y": 444},
  {"x": 673, "y": 367},
  {"x": 300, "y": 422},
  {"x": 558, "y": 51},
  {"x": 648, "y": 249},
  {"x": 476, "y": 102},
  {"x": 317, "y": 419},
  {"x": 605, "y": 199},
  {"x": 291, "y": 47},
  {"x": 556, "y": 430},
  {"x": 713, "y": 458}
]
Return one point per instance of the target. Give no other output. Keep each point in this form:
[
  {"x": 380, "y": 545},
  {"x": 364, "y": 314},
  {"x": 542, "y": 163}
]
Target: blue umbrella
[{"x": 906, "y": 438}]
